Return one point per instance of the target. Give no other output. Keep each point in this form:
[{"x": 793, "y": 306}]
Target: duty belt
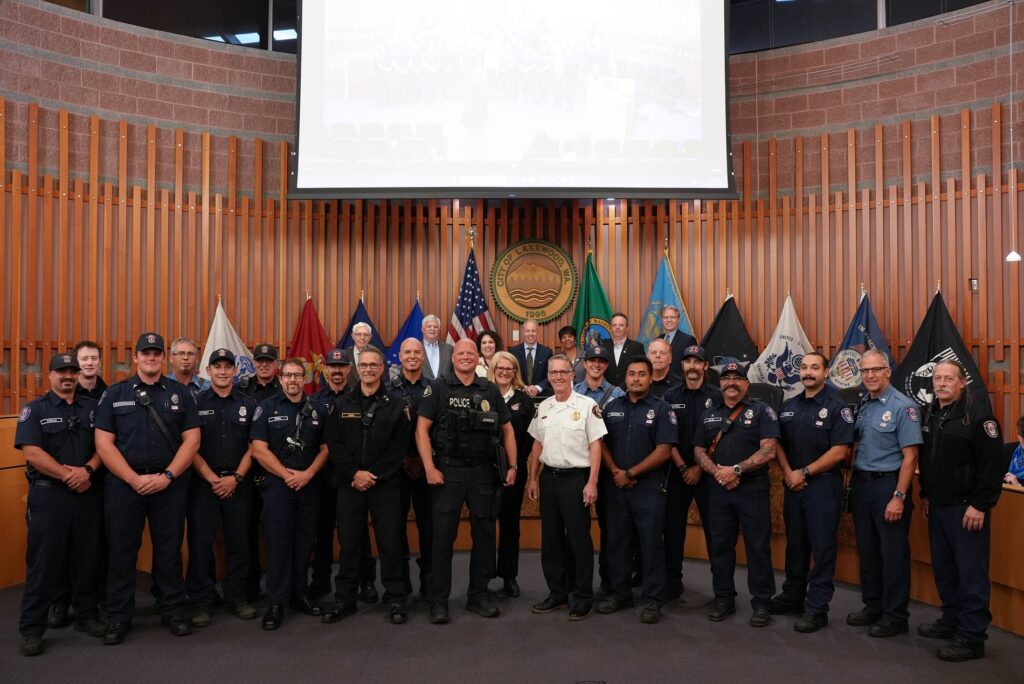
[
  {"x": 564, "y": 472},
  {"x": 149, "y": 469}
]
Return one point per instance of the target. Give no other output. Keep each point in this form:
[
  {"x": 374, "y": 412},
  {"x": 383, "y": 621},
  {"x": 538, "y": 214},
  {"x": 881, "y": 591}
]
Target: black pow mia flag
[
  {"x": 937, "y": 340},
  {"x": 728, "y": 336}
]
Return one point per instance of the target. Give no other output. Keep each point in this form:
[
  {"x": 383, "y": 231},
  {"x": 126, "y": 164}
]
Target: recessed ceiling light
[
  {"x": 285, "y": 34},
  {"x": 247, "y": 38},
  {"x": 219, "y": 39}
]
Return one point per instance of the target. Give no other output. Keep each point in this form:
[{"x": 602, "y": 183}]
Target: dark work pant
[
  {"x": 289, "y": 523},
  {"x": 63, "y": 531},
  {"x": 812, "y": 522},
  {"x": 678, "y": 498},
  {"x": 747, "y": 507},
  {"x": 960, "y": 564},
  {"x": 383, "y": 503},
  {"x": 126, "y": 514},
  {"x": 883, "y": 547},
  {"x": 255, "y": 574},
  {"x": 638, "y": 512},
  {"x": 508, "y": 526},
  {"x": 323, "y": 548},
  {"x": 601, "y": 508},
  {"x": 566, "y": 550},
  {"x": 63, "y": 592},
  {"x": 206, "y": 514},
  {"x": 418, "y": 493},
  {"x": 478, "y": 487}
]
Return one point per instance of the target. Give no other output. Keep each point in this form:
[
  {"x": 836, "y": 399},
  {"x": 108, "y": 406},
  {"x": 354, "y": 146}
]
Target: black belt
[
  {"x": 565, "y": 472},
  {"x": 43, "y": 482},
  {"x": 876, "y": 475},
  {"x": 149, "y": 469},
  {"x": 462, "y": 462}
]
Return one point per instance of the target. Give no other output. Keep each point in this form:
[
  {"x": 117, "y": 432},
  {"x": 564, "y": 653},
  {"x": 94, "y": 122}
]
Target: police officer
[
  {"x": 409, "y": 387},
  {"x": 338, "y": 369},
  {"x": 460, "y": 424},
  {"x": 595, "y": 386},
  {"x": 734, "y": 443},
  {"x": 817, "y": 431},
  {"x": 888, "y": 432},
  {"x": 641, "y": 432},
  {"x": 261, "y": 386},
  {"x": 147, "y": 433},
  {"x": 287, "y": 440},
  {"x": 962, "y": 464},
  {"x": 685, "y": 483},
  {"x": 367, "y": 437},
  {"x": 55, "y": 433},
  {"x": 567, "y": 431},
  {"x": 221, "y": 492}
]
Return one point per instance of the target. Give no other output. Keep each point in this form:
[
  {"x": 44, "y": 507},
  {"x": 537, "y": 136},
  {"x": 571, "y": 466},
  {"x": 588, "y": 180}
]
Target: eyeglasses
[
  {"x": 187, "y": 355},
  {"x": 559, "y": 372},
  {"x": 872, "y": 371},
  {"x": 368, "y": 366},
  {"x": 504, "y": 369},
  {"x": 293, "y": 376}
]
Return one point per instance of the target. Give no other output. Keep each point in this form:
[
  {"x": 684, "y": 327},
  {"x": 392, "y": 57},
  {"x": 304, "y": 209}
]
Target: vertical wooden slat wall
[{"x": 82, "y": 258}]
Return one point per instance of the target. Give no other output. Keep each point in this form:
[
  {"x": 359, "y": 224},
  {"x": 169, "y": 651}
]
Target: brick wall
[{"x": 65, "y": 59}]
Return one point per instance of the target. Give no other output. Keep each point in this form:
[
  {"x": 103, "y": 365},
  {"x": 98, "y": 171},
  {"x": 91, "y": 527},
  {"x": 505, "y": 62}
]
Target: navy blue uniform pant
[
  {"x": 383, "y": 504},
  {"x": 64, "y": 589},
  {"x": 206, "y": 513},
  {"x": 63, "y": 532},
  {"x": 678, "y": 497},
  {"x": 323, "y": 547},
  {"x": 883, "y": 547},
  {"x": 126, "y": 514},
  {"x": 478, "y": 487},
  {"x": 960, "y": 564},
  {"x": 812, "y": 522},
  {"x": 567, "y": 550},
  {"x": 637, "y": 513},
  {"x": 289, "y": 523},
  {"x": 418, "y": 494},
  {"x": 748, "y": 507}
]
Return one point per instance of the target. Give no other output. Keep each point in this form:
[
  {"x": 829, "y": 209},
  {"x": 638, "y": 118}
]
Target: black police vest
[{"x": 464, "y": 429}]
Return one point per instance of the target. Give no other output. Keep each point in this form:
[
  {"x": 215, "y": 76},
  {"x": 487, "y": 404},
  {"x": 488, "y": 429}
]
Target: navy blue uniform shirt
[
  {"x": 755, "y": 421},
  {"x": 810, "y": 427},
  {"x": 328, "y": 397},
  {"x": 636, "y": 428},
  {"x": 63, "y": 430},
  {"x": 136, "y": 435},
  {"x": 275, "y": 421},
  {"x": 688, "y": 405},
  {"x": 224, "y": 428}
]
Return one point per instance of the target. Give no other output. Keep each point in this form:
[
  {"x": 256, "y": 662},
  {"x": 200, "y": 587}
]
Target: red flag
[{"x": 310, "y": 343}]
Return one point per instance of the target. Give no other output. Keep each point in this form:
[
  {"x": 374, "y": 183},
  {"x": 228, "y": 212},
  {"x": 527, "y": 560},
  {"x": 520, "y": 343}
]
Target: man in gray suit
[
  {"x": 438, "y": 354},
  {"x": 362, "y": 333}
]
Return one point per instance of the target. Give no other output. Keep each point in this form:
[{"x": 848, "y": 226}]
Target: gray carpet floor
[{"x": 516, "y": 647}]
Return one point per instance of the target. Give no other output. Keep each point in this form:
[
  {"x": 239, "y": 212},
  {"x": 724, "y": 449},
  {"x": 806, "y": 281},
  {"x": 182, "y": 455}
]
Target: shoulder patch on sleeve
[
  {"x": 259, "y": 412},
  {"x": 427, "y": 391},
  {"x": 991, "y": 429},
  {"x": 672, "y": 418},
  {"x": 913, "y": 414},
  {"x": 25, "y": 413},
  {"x": 771, "y": 413},
  {"x": 847, "y": 414}
]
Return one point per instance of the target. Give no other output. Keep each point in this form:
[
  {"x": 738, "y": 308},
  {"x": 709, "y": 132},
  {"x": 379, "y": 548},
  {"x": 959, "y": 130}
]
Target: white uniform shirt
[{"x": 566, "y": 429}]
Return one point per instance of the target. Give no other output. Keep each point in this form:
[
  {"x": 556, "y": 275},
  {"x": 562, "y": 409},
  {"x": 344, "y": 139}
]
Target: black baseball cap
[
  {"x": 732, "y": 366},
  {"x": 62, "y": 361},
  {"x": 222, "y": 355},
  {"x": 337, "y": 357},
  {"x": 149, "y": 340},
  {"x": 264, "y": 351},
  {"x": 695, "y": 350},
  {"x": 598, "y": 352}
]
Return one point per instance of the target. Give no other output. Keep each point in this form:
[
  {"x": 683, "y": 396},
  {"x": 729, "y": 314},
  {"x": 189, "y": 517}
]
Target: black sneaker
[
  {"x": 762, "y": 617},
  {"x": 936, "y": 630},
  {"x": 863, "y": 618},
  {"x": 483, "y": 606},
  {"x": 32, "y": 646},
  {"x": 439, "y": 613},
  {"x": 609, "y": 605},
  {"x": 959, "y": 650},
  {"x": 651, "y": 614},
  {"x": 811, "y": 622},
  {"x": 721, "y": 609},
  {"x": 886, "y": 628},
  {"x": 94, "y": 628},
  {"x": 780, "y": 605},
  {"x": 58, "y": 617},
  {"x": 116, "y": 632},
  {"x": 176, "y": 625},
  {"x": 368, "y": 593}
]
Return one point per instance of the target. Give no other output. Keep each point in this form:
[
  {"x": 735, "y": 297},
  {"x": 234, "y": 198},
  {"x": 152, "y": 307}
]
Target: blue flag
[
  {"x": 664, "y": 293},
  {"x": 413, "y": 327},
  {"x": 360, "y": 315},
  {"x": 863, "y": 335}
]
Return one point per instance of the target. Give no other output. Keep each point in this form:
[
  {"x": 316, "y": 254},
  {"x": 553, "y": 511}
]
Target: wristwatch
[
  {"x": 736, "y": 469},
  {"x": 513, "y": 466},
  {"x": 168, "y": 474},
  {"x": 238, "y": 478},
  {"x": 805, "y": 472},
  {"x": 89, "y": 469},
  {"x": 899, "y": 495}
]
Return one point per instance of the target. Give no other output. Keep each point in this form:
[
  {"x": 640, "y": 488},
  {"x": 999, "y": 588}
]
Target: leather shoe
[
  {"x": 116, "y": 632},
  {"x": 959, "y": 650},
  {"x": 176, "y": 625},
  {"x": 810, "y": 622},
  {"x": 577, "y": 613},
  {"x": 762, "y": 617},
  {"x": 274, "y": 617},
  {"x": 863, "y": 618},
  {"x": 32, "y": 646},
  {"x": 58, "y": 616},
  {"x": 780, "y": 605},
  {"x": 302, "y": 604},
  {"x": 936, "y": 630},
  {"x": 885, "y": 628},
  {"x": 511, "y": 588},
  {"x": 549, "y": 604},
  {"x": 721, "y": 609},
  {"x": 94, "y": 627},
  {"x": 650, "y": 614},
  {"x": 243, "y": 610},
  {"x": 398, "y": 615},
  {"x": 483, "y": 606},
  {"x": 609, "y": 605},
  {"x": 337, "y": 612},
  {"x": 368, "y": 593},
  {"x": 439, "y": 613},
  {"x": 201, "y": 617}
]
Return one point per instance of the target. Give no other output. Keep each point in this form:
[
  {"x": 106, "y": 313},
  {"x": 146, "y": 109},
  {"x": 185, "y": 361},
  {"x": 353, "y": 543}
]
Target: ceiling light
[
  {"x": 247, "y": 38},
  {"x": 285, "y": 34}
]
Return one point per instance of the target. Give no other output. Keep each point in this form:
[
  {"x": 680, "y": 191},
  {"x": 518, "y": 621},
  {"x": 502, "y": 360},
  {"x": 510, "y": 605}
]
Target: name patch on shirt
[
  {"x": 615, "y": 414},
  {"x": 209, "y": 412},
  {"x": 278, "y": 419},
  {"x": 47, "y": 421},
  {"x": 119, "y": 404}
]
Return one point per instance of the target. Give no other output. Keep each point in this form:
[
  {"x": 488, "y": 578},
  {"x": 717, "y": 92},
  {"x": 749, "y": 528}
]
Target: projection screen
[{"x": 512, "y": 98}]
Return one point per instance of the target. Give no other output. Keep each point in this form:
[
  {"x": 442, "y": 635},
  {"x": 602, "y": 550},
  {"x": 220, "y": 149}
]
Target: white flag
[
  {"x": 779, "y": 363},
  {"x": 223, "y": 336}
]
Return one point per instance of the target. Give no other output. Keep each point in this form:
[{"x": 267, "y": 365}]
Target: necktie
[
  {"x": 529, "y": 365},
  {"x": 668, "y": 338}
]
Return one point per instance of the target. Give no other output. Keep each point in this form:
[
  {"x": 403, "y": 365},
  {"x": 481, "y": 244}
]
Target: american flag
[{"x": 471, "y": 316}]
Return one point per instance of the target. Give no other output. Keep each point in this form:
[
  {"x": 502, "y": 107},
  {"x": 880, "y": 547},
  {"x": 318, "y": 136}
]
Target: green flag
[{"x": 593, "y": 312}]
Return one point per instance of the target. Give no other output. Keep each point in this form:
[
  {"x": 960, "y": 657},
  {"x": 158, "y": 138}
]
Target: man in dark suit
[
  {"x": 623, "y": 349},
  {"x": 437, "y": 354},
  {"x": 677, "y": 339},
  {"x": 362, "y": 333},
  {"x": 533, "y": 360}
]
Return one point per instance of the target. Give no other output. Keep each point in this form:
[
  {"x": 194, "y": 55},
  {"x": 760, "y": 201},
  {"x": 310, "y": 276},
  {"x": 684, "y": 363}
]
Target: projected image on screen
[{"x": 467, "y": 98}]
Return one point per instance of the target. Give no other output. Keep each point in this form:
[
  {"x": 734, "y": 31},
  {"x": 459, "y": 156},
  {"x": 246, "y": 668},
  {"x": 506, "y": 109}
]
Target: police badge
[
  {"x": 174, "y": 398},
  {"x": 823, "y": 413},
  {"x": 650, "y": 414},
  {"x": 242, "y": 411},
  {"x": 485, "y": 406},
  {"x": 748, "y": 414},
  {"x": 575, "y": 415}
]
